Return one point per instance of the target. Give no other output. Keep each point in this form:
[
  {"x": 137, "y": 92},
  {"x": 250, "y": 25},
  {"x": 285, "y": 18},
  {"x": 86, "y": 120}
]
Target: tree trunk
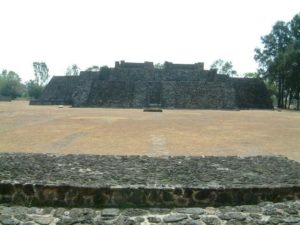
[
  {"x": 285, "y": 100},
  {"x": 283, "y": 94},
  {"x": 298, "y": 99},
  {"x": 279, "y": 97},
  {"x": 290, "y": 99}
]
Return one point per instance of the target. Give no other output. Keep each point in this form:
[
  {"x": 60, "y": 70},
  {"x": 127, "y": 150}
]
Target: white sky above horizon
[{"x": 100, "y": 32}]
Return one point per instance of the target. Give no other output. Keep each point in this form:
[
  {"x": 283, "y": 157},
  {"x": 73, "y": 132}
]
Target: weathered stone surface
[
  {"x": 159, "y": 211},
  {"x": 195, "y": 211},
  {"x": 110, "y": 212},
  {"x": 10, "y": 221},
  {"x": 134, "y": 212},
  {"x": 233, "y": 215},
  {"x": 249, "y": 208},
  {"x": 174, "y": 86},
  {"x": 29, "y": 223},
  {"x": 174, "y": 218},
  {"x": 211, "y": 220},
  {"x": 80, "y": 216},
  {"x": 43, "y": 220},
  {"x": 193, "y": 222},
  {"x": 125, "y": 170},
  {"x": 153, "y": 219},
  {"x": 291, "y": 220}
]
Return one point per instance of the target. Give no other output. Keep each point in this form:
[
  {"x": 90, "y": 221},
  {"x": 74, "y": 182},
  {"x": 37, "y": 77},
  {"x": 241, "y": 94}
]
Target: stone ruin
[
  {"x": 140, "y": 85},
  {"x": 5, "y": 98}
]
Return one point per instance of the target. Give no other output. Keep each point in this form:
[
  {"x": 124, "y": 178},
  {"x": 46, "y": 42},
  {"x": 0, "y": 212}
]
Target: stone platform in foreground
[{"x": 141, "y": 181}]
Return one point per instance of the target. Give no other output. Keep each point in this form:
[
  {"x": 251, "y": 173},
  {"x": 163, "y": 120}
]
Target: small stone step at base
[{"x": 153, "y": 110}]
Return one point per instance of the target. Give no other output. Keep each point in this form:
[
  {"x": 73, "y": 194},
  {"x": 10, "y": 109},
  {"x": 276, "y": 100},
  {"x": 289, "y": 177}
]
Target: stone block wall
[
  {"x": 82, "y": 91},
  {"x": 59, "y": 91},
  {"x": 111, "y": 94},
  {"x": 198, "y": 95},
  {"x": 5, "y": 98},
  {"x": 251, "y": 93}
]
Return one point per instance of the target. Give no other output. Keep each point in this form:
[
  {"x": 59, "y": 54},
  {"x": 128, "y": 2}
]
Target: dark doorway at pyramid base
[{"x": 154, "y": 90}]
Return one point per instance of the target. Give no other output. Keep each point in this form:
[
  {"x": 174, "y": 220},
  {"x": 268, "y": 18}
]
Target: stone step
[{"x": 142, "y": 181}]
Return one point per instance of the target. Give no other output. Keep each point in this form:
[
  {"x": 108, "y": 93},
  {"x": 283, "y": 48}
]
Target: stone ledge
[
  {"x": 142, "y": 181},
  {"x": 72, "y": 196}
]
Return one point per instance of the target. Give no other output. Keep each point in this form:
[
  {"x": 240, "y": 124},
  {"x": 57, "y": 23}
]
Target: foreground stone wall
[
  {"x": 76, "y": 196},
  {"x": 138, "y": 85},
  {"x": 141, "y": 181}
]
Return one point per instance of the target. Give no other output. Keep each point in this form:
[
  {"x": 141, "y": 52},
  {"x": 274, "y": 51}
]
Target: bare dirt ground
[{"x": 49, "y": 129}]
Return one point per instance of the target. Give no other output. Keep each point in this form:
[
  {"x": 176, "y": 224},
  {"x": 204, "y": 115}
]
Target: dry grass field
[{"x": 49, "y": 129}]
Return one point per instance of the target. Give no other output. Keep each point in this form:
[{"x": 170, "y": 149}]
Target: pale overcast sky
[{"x": 100, "y": 32}]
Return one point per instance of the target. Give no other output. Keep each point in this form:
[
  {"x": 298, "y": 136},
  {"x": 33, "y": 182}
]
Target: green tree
[
  {"x": 279, "y": 60},
  {"x": 105, "y": 70},
  {"x": 158, "y": 66},
  {"x": 224, "y": 67},
  {"x": 269, "y": 84},
  {"x": 41, "y": 73},
  {"x": 34, "y": 90},
  {"x": 10, "y": 84},
  {"x": 270, "y": 56},
  {"x": 93, "y": 68},
  {"x": 73, "y": 70},
  {"x": 290, "y": 64},
  {"x": 251, "y": 75}
]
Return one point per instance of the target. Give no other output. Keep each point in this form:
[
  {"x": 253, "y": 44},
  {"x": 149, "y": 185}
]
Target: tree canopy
[
  {"x": 223, "y": 67},
  {"x": 279, "y": 60},
  {"x": 41, "y": 73},
  {"x": 73, "y": 70},
  {"x": 93, "y": 68},
  {"x": 10, "y": 84},
  {"x": 34, "y": 90}
]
